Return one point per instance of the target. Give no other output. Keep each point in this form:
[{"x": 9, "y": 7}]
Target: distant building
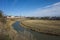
[
  {"x": 13, "y": 16},
  {"x": 10, "y": 16}
]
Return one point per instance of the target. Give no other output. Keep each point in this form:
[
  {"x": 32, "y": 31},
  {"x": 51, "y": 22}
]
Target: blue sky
[{"x": 30, "y": 7}]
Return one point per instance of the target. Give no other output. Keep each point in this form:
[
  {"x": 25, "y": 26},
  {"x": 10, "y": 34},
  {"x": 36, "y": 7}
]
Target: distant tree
[
  {"x": 1, "y": 14},
  {"x": 30, "y": 18},
  {"x": 2, "y": 17}
]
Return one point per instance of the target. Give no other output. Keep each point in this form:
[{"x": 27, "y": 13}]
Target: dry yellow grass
[
  {"x": 13, "y": 34},
  {"x": 46, "y": 26}
]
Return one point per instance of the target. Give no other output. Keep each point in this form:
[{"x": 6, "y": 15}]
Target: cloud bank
[{"x": 50, "y": 10}]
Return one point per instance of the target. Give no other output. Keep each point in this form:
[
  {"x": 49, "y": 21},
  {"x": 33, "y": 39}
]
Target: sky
[{"x": 30, "y": 7}]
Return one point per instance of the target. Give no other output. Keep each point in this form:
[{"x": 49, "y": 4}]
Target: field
[{"x": 44, "y": 26}]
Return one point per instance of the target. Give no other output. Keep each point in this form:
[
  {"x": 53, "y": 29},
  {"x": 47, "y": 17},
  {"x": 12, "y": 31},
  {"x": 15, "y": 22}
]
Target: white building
[
  {"x": 10, "y": 16},
  {"x": 13, "y": 16}
]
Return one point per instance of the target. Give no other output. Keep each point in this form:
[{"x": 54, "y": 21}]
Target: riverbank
[
  {"x": 13, "y": 34},
  {"x": 51, "y": 27}
]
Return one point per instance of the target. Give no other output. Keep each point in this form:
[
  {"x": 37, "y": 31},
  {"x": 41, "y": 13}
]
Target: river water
[{"x": 28, "y": 34}]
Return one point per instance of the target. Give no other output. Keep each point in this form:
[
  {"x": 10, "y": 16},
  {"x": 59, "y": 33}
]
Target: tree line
[{"x": 44, "y": 18}]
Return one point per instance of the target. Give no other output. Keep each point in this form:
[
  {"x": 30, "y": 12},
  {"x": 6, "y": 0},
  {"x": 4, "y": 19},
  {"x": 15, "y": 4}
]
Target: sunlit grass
[{"x": 45, "y": 26}]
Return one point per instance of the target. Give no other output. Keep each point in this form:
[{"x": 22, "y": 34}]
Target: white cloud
[{"x": 51, "y": 10}]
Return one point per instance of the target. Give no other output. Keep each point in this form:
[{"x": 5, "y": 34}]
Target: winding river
[{"x": 28, "y": 34}]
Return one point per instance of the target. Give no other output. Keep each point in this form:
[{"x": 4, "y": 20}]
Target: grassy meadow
[{"x": 44, "y": 26}]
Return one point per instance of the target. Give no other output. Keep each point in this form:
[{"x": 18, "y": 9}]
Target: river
[{"x": 28, "y": 34}]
